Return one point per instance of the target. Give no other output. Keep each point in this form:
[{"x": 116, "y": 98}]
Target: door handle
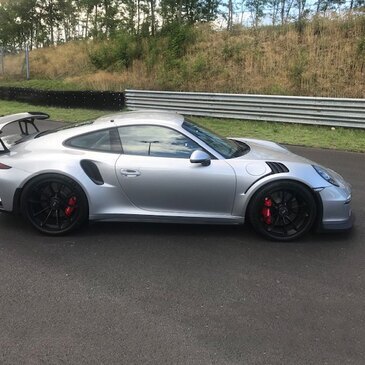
[{"x": 130, "y": 172}]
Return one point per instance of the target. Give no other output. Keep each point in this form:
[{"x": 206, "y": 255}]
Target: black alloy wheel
[
  {"x": 283, "y": 211},
  {"x": 54, "y": 204}
]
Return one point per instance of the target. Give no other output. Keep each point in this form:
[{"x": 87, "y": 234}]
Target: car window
[
  {"x": 226, "y": 147},
  {"x": 106, "y": 140},
  {"x": 148, "y": 140}
]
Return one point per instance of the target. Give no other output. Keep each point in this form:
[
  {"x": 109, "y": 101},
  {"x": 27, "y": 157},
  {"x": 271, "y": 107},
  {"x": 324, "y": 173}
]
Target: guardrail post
[
  {"x": 2, "y": 60},
  {"x": 27, "y": 66}
]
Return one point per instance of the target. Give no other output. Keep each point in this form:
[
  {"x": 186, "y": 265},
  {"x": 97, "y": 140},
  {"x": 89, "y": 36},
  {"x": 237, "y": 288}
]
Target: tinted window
[
  {"x": 226, "y": 147},
  {"x": 100, "y": 141},
  {"x": 146, "y": 140}
]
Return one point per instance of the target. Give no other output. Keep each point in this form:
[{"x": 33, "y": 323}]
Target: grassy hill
[{"x": 324, "y": 57}]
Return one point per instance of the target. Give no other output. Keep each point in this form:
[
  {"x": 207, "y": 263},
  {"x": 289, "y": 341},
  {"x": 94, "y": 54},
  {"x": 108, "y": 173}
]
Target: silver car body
[{"x": 146, "y": 188}]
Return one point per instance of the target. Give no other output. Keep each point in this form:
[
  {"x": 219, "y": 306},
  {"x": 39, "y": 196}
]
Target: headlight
[{"x": 326, "y": 175}]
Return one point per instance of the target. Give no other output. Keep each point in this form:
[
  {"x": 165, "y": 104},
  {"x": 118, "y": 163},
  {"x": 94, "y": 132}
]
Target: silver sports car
[{"x": 161, "y": 167}]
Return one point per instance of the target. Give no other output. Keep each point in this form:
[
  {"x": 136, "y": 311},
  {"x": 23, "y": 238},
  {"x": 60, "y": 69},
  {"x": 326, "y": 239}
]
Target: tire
[
  {"x": 54, "y": 204},
  {"x": 282, "y": 211}
]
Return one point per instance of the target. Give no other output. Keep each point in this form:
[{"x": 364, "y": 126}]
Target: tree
[
  {"x": 69, "y": 18},
  {"x": 257, "y": 10},
  {"x": 189, "y": 11}
]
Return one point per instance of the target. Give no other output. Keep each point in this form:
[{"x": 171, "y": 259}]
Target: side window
[
  {"x": 149, "y": 140},
  {"x": 106, "y": 140}
]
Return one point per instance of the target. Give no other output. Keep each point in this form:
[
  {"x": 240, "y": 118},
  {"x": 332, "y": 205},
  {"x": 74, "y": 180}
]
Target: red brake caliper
[
  {"x": 70, "y": 206},
  {"x": 266, "y": 211}
]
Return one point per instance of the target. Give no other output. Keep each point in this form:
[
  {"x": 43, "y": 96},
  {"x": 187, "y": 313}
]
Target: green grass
[
  {"x": 59, "y": 114},
  {"x": 345, "y": 139},
  {"x": 58, "y": 85}
]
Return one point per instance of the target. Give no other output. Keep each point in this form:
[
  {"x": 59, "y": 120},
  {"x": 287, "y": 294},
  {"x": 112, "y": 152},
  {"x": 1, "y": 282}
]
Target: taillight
[{"x": 4, "y": 167}]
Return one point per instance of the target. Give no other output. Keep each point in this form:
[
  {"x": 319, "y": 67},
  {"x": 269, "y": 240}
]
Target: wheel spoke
[
  {"x": 42, "y": 211},
  {"x": 290, "y": 198},
  {"x": 303, "y": 205},
  {"x": 272, "y": 226},
  {"x": 281, "y": 196},
  {"x": 284, "y": 226},
  {"x": 45, "y": 221},
  {"x": 57, "y": 219},
  {"x": 52, "y": 189},
  {"x": 292, "y": 223}
]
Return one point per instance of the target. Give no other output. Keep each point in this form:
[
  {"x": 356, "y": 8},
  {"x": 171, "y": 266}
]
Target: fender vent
[
  {"x": 92, "y": 171},
  {"x": 277, "y": 167}
]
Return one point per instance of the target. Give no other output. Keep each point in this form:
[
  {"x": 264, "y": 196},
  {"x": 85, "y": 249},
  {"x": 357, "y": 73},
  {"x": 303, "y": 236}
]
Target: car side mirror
[{"x": 201, "y": 157}]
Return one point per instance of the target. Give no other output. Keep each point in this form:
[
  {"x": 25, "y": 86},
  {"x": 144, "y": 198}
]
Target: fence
[
  {"x": 103, "y": 100},
  {"x": 292, "y": 109}
]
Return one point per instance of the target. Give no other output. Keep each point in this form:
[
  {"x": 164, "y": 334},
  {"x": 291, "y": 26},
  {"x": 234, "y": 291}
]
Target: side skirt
[{"x": 168, "y": 219}]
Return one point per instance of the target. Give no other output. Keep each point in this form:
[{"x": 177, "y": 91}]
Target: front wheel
[
  {"x": 54, "y": 204},
  {"x": 282, "y": 211}
]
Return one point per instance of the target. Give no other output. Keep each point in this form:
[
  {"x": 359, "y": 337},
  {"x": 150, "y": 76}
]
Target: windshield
[{"x": 226, "y": 147}]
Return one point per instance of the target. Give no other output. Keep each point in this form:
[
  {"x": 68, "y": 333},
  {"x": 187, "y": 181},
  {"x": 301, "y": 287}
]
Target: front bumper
[
  {"x": 344, "y": 225},
  {"x": 336, "y": 213}
]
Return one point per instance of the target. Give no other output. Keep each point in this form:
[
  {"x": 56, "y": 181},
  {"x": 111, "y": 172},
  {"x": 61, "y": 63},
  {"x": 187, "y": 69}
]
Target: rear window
[{"x": 106, "y": 140}]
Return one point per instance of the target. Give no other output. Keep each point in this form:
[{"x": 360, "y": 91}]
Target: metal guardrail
[{"x": 292, "y": 109}]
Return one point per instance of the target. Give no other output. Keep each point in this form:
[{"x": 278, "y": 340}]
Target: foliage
[
  {"x": 179, "y": 36},
  {"x": 115, "y": 53},
  {"x": 41, "y": 23},
  {"x": 322, "y": 60}
]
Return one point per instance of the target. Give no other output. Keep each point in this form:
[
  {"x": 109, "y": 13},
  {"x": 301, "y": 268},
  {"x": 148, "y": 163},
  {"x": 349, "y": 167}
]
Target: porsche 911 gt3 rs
[{"x": 160, "y": 167}]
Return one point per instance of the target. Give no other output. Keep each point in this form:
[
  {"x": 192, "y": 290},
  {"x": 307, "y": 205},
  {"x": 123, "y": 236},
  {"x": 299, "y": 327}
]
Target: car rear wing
[{"x": 24, "y": 120}]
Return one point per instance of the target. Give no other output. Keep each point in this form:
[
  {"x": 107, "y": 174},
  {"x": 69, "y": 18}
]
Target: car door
[{"x": 156, "y": 174}]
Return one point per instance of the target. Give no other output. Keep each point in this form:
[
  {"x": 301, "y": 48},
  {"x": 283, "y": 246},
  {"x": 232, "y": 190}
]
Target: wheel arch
[
  {"x": 256, "y": 188},
  {"x": 19, "y": 191},
  {"x": 285, "y": 226}
]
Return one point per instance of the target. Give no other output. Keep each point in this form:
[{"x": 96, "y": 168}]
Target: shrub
[{"x": 116, "y": 53}]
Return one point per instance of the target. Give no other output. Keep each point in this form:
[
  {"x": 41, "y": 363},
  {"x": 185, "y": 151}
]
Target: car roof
[
  {"x": 163, "y": 118},
  {"x": 142, "y": 117}
]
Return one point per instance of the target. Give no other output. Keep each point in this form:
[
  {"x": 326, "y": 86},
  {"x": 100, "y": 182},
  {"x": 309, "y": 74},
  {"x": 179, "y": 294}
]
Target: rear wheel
[
  {"x": 54, "y": 204},
  {"x": 282, "y": 211}
]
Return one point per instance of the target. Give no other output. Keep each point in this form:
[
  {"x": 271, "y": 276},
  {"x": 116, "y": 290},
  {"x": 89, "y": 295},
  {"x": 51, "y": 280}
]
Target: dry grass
[
  {"x": 59, "y": 62},
  {"x": 327, "y": 58},
  {"x": 134, "y": 77},
  {"x": 52, "y": 63},
  {"x": 14, "y": 65}
]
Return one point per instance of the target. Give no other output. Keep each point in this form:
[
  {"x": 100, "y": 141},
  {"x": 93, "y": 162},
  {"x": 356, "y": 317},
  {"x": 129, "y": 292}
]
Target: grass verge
[
  {"x": 58, "y": 85},
  {"x": 59, "y": 114},
  {"x": 345, "y": 139}
]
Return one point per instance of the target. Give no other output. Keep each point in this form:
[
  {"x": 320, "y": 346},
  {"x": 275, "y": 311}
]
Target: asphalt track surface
[{"x": 123, "y": 293}]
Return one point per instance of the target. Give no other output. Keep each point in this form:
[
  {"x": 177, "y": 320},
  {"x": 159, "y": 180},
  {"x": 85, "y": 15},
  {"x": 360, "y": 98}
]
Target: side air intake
[
  {"x": 277, "y": 167},
  {"x": 92, "y": 171}
]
